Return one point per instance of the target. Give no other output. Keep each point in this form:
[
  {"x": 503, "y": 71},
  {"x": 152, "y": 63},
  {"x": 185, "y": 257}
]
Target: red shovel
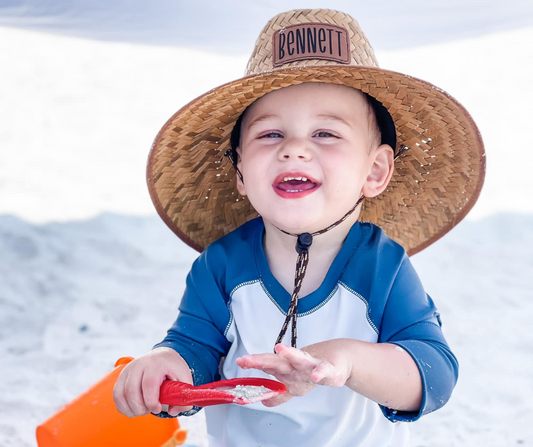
[{"x": 241, "y": 391}]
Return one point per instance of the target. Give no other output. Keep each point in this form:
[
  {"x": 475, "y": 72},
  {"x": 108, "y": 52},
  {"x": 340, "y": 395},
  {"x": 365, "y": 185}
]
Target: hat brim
[{"x": 434, "y": 186}]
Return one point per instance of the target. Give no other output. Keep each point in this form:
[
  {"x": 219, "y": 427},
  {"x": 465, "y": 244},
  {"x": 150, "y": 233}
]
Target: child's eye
[
  {"x": 272, "y": 135},
  {"x": 325, "y": 134}
]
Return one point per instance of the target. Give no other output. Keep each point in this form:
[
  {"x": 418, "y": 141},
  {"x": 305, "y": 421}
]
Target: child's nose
[{"x": 295, "y": 148}]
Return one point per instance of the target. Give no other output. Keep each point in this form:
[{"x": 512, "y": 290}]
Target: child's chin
[{"x": 296, "y": 223}]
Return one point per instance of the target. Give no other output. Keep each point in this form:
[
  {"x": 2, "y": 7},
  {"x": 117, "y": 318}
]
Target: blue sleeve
[
  {"x": 198, "y": 334},
  {"x": 411, "y": 321}
]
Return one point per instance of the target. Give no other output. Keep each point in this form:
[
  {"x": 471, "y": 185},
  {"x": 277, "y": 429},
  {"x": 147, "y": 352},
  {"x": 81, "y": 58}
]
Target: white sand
[
  {"x": 77, "y": 296},
  {"x": 77, "y": 119},
  {"x": 248, "y": 391}
]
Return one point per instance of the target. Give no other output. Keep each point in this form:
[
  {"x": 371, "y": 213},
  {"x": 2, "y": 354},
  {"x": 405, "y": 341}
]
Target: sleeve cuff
[{"x": 191, "y": 412}]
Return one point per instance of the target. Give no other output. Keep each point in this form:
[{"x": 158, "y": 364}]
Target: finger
[
  {"x": 120, "y": 398},
  {"x": 327, "y": 374},
  {"x": 174, "y": 410},
  {"x": 277, "y": 400},
  {"x": 133, "y": 392},
  {"x": 269, "y": 363},
  {"x": 171, "y": 375},
  {"x": 151, "y": 386},
  {"x": 252, "y": 360},
  {"x": 300, "y": 360}
]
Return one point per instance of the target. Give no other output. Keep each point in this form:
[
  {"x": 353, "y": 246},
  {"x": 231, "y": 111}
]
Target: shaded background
[
  {"x": 231, "y": 27},
  {"x": 88, "y": 273}
]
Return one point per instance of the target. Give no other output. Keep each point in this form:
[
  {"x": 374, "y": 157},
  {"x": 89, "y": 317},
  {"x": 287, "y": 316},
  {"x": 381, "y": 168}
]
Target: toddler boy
[{"x": 308, "y": 145}]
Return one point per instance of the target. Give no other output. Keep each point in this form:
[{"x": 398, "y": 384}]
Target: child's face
[{"x": 314, "y": 131}]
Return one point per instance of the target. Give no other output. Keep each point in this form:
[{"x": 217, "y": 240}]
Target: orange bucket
[{"x": 92, "y": 420}]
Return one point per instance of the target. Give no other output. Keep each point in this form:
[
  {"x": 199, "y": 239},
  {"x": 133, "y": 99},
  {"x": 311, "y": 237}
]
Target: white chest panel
[{"x": 329, "y": 417}]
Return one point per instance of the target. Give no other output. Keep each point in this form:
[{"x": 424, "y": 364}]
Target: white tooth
[
  {"x": 304, "y": 179},
  {"x": 286, "y": 179},
  {"x": 297, "y": 178}
]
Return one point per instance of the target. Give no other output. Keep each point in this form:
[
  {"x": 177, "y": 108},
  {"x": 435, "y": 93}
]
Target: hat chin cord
[{"x": 303, "y": 243}]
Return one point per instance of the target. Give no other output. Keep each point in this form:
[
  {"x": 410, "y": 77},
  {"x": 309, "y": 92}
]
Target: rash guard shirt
[{"x": 233, "y": 306}]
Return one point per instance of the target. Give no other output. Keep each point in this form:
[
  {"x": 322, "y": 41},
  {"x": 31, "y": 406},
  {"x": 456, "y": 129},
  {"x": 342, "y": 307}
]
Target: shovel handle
[{"x": 174, "y": 393}]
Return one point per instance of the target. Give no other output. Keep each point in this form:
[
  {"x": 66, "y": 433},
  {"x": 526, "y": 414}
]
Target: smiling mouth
[{"x": 294, "y": 185}]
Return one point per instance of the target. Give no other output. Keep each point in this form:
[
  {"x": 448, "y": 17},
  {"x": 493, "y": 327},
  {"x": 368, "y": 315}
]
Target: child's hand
[
  {"x": 136, "y": 392},
  {"x": 299, "y": 370}
]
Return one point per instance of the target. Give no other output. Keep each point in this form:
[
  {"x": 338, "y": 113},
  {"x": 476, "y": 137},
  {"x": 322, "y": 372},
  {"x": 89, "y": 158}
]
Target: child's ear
[
  {"x": 380, "y": 171},
  {"x": 240, "y": 184}
]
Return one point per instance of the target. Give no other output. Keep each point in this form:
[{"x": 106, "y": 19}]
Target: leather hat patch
[{"x": 311, "y": 41}]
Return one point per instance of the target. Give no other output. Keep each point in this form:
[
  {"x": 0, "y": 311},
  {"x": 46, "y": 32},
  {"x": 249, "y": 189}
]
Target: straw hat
[{"x": 435, "y": 183}]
